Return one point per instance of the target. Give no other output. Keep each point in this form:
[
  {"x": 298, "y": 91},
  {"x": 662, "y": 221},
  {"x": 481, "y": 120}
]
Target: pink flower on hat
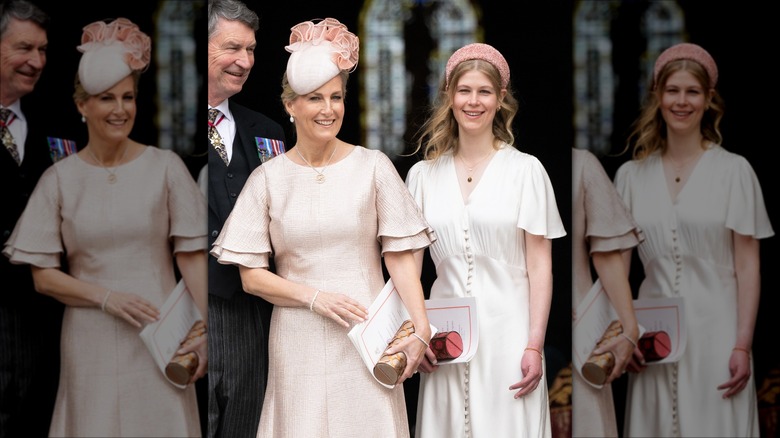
[
  {"x": 137, "y": 45},
  {"x": 345, "y": 43},
  {"x": 319, "y": 51}
]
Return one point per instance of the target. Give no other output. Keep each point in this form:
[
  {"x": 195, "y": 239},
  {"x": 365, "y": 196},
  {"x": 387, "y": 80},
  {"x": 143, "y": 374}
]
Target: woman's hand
[
  {"x": 415, "y": 350},
  {"x": 130, "y": 307},
  {"x": 739, "y": 367},
  {"x": 622, "y": 350},
  {"x": 637, "y": 363},
  {"x": 198, "y": 345},
  {"x": 532, "y": 370},
  {"x": 339, "y": 308},
  {"x": 429, "y": 363}
]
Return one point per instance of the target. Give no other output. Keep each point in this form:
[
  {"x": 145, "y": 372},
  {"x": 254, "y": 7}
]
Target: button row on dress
[
  {"x": 469, "y": 259},
  {"x": 677, "y": 261},
  {"x": 466, "y": 413},
  {"x": 675, "y": 423}
]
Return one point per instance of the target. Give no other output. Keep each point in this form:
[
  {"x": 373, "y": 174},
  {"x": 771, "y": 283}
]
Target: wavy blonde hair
[
  {"x": 649, "y": 130},
  {"x": 439, "y": 133}
]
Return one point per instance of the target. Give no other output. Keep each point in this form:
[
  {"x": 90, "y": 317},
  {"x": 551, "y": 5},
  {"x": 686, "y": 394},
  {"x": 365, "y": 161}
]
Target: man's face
[
  {"x": 22, "y": 58},
  {"x": 231, "y": 55}
]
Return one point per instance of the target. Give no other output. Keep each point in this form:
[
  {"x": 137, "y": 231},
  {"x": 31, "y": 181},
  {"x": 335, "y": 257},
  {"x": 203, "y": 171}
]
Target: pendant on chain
[{"x": 320, "y": 178}]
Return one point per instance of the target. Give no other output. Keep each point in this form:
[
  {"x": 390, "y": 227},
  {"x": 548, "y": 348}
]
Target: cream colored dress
[
  {"x": 122, "y": 237},
  {"x": 328, "y": 236},
  {"x": 480, "y": 252},
  {"x": 600, "y": 223},
  {"x": 688, "y": 252}
]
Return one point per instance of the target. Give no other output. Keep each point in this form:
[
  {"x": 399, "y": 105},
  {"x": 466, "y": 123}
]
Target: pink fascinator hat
[
  {"x": 111, "y": 52},
  {"x": 690, "y": 52},
  {"x": 319, "y": 52},
  {"x": 484, "y": 52}
]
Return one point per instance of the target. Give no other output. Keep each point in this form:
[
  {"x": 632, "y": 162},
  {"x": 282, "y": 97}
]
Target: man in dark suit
[
  {"x": 29, "y": 321},
  {"x": 238, "y": 321}
]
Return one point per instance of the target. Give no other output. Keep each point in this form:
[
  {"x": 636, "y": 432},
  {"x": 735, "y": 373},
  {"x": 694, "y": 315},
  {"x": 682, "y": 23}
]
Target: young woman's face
[
  {"x": 475, "y": 102},
  {"x": 683, "y": 102}
]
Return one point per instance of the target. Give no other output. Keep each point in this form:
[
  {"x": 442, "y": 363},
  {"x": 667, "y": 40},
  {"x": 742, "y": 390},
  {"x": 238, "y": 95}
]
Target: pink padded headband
[
  {"x": 691, "y": 52},
  {"x": 481, "y": 51}
]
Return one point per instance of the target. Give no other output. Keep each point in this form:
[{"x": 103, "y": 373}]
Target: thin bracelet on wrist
[
  {"x": 628, "y": 338},
  {"x": 105, "y": 300},
  {"x": 534, "y": 349},
  {"x": 421, "y": 339},
  {"x": 311, "y": 305}
]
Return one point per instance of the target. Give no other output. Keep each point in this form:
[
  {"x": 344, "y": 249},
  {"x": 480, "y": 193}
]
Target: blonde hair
[
  {"x": 649, "y": 130},
  {"x": 439, "y": 133},
  {"x": 81, "y": 95}
]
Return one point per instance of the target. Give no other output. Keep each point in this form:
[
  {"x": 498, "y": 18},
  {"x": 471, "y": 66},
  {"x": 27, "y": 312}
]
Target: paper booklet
[
  {"x": 177, "y": 316},
  {"x": 459, "y": 315},
  {"x": 595, "y": 313},
  {"x": 664, "y": 315},
  {"x": 385, "y": 316}
]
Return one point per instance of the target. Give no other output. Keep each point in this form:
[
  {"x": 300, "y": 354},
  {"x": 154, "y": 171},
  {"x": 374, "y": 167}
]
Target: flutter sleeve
[
  {"x": 401, "y": 224},
  {"x": 37, "y": 238},
  {"x": 245, "y": 237},
  {"x": 187, "y": 208},
  {"x": 538, "y": 209},
  {"x": 609, "y": 224},
  {"x": 746, "y": 212}
]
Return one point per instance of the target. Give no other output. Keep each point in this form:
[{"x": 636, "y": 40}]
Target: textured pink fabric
[
  {"x": 481, "y": 51},
  {"x": 689, "y": 51}
]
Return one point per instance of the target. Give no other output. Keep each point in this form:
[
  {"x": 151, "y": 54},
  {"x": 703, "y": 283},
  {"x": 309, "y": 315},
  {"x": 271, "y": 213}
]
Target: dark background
[{"x": 536, "y": 39}]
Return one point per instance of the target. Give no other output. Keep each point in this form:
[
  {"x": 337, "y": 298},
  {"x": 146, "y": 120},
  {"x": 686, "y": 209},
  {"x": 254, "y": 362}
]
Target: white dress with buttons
[
  {"x": 688, "y": 252},
  {"x": 480, "y": 252}
]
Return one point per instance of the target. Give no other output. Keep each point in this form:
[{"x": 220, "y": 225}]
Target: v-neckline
[
  {"x": 466, "y": 200},
  {"x": 683, "y": 187}
]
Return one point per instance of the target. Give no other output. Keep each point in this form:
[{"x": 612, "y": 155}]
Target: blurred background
[{"x": 578, "y": 68}]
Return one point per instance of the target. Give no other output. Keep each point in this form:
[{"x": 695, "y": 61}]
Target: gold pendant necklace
[
  {"x": 470, "y": 169},
  {"x": 111, "y": 172},
  {"x": 320, "y": 178},
  {"x": 679, "y": 169}
]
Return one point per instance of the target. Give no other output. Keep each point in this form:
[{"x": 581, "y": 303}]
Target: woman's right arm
[
  {"x": 74, "y": 292},
  {"x": 282, "y": 292},
  {"x": 611, "y": 269}
]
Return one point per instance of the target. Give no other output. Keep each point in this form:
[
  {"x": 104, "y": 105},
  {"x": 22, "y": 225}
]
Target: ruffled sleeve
[
  {"x": 186, "y": 205},
  {"x": 609, "y": 225},
  {"x": 538, "y": 210},
  {"x": 244, "y": 239},
  {"x": 401, "y": 225},
  {"x": 746, "y": 213},
  {"x": 37, "y": 239}
]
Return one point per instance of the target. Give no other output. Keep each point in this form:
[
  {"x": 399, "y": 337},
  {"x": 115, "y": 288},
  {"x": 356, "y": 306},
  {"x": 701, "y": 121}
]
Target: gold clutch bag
[
  {"x": 391, "y": 366},
  {"x": 182, "y": 366},
  {"x": 598, "y": 367}
]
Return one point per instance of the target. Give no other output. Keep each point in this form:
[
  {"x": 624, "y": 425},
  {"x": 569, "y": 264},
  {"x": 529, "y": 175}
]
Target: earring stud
[
  {"x": 83, "y": 119},
  {"x": 292, "y": 119}
]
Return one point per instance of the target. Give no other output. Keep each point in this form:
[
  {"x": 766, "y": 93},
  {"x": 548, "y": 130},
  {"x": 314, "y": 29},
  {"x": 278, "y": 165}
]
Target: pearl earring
[
  {"x": 292, "y": 119},
  {"x": 83, "y": 119}
]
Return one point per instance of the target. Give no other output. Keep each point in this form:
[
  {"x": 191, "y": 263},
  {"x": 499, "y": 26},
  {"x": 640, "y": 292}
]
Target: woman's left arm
[
  {"x": 539, "y": 266},
  {"x": 193, "y": 268},
  {"x": 747, "y": 268},
  {"x": 404, "y": 272}
]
